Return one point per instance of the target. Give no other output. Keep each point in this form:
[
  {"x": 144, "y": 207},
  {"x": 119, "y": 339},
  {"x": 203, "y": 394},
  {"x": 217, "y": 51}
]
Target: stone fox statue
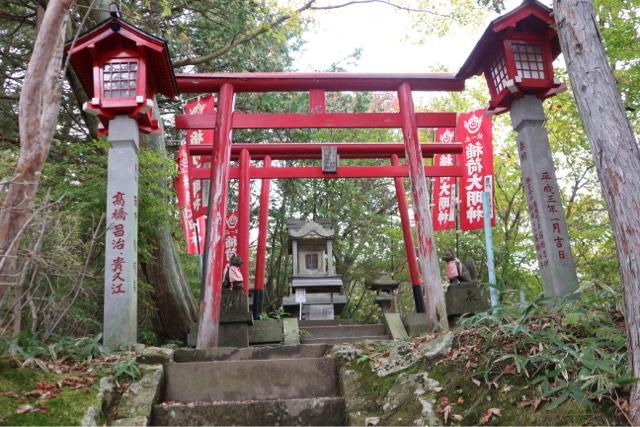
[
  {"x": 233, "y": 276},
  {"x": 457, "y": 271}
]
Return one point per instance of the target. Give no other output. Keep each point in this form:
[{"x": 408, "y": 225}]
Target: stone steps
[
  {"x": 283, "y": 385},
  {"x": 343, "y": 331},
  {"x": 251, "y": 380},
  {"x": 343, "y": 340},
  {"x": 334, "y": 334},
  {"x": 332, "y": 322},
  {"x": 250, "y": 353},
  {"x": 320, "y": 411}
]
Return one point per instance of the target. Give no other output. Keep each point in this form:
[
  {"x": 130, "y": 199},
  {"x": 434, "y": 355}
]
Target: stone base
[
  {"x": 265, "y": 332},
  {"x": 235, "y": 319},
  {"x": 417, "y": 324},
  {"x": 466, "y": 298},
  {"x": 233, "y": 335},
  {"x": 318, "y": 312}
]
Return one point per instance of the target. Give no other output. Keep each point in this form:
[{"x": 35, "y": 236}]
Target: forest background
[{"x": 58, "y": 285}]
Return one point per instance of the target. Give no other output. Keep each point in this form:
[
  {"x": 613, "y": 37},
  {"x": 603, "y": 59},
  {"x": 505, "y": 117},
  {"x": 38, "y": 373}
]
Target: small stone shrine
[
  {"x": 315, "y": 287},
  {"x": 385, "y": 288}
]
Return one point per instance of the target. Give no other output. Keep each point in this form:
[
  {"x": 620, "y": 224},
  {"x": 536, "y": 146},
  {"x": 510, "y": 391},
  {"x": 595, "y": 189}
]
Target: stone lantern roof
[{"x": 530, "y": 17}]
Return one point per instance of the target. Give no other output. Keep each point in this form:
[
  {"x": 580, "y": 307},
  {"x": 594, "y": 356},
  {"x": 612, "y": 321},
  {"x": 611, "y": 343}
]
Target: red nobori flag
[
  {"x": 444, "y": 211},
  {"x": 199, "y": 188},
  {"x": 474, "y": 131},
  {"x": 194, "y": 229}
]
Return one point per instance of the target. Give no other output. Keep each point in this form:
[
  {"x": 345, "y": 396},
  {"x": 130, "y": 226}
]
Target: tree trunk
[
  {"x": 615, "y": 154},
  {"x": 38, "y": 115},
  {"x": 174, "y": 301}
]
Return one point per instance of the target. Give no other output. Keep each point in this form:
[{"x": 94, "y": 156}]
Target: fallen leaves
[
  {"x": 535, "y": 403},
  {"x": 489, "y": 414},
  {"x": 447, "y": 409}
]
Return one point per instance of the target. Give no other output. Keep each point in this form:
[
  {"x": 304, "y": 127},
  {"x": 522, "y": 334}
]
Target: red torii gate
[{"x": 225, "y": 120}]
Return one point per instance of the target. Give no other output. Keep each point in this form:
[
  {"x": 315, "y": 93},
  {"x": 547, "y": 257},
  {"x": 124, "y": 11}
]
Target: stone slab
[
  {"x": 137, "y": 402},
  {"x": 346, "y": 331},
  {"x": 324, "y": 411},
  {"x": 291, "y": 331},
  {"x": 265, "y": 332},
  {"x": 395, "y": 327},
  {"x": 332, "y": 322},
  {"x": 234, "y": 335},
  {"x": 155, "y": 355},
  {"x": 250, "y": 380},
  {"x": 463, "y": 299},
  {"x": 251, "y": 353},
  {"x": 138, "y": 421},
  {"x": 417, "y": 324},
  {"x": 343, "y": 340}
]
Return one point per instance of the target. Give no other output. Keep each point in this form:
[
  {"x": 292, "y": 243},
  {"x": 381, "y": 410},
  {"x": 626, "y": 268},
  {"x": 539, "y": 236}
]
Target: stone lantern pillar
[
  {"x": 122, "y": 68},
  {"x": 516, "y": 53}
]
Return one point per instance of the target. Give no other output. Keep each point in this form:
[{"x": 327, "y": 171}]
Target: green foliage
[
  {"x": 29, "y": 351},
  {"x": 570, "y": 350},
  {"x": 277, "y": 314},
  {"x": 126, "y": 370}
]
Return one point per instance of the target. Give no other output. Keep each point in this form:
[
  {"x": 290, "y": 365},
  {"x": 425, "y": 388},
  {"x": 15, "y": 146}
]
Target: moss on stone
[{"x": 66, "y": 408}]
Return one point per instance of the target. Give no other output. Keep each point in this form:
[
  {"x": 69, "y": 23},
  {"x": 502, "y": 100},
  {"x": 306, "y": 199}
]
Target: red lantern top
[
  {"x": 121, "y": 69},
  {"x": 516, "y": 54}
]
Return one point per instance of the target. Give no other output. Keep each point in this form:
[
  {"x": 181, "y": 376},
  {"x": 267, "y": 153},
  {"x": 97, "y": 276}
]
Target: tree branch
[{"x": 243, "y": 40}]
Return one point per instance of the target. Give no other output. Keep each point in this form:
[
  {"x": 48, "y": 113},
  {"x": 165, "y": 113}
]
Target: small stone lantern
[
  {"x": 121, "y": 69},
  {"x": 384, "y": 283},
  {"x": 516, "y": 54}
]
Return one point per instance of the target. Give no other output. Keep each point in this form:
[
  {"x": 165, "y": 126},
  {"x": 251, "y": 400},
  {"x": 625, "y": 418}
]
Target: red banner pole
[
  {"x": 209, "y": 322},
  {"x": 261, "y": 252},
  {"x": 408, "y": 239},
  {"x": 434, "y": 295},
  {"x": 244, "y": 217}
]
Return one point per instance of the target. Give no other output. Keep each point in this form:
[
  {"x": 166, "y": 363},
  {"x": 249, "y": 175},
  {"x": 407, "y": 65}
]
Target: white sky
[{"x": 386, "y": 35}]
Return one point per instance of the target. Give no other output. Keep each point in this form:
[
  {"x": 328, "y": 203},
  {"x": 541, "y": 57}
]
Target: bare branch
[{"x": 385, "y": 2}]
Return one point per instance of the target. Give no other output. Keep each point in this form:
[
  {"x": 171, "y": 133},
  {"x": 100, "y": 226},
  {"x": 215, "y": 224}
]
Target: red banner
[
  {"x": 199, "y": 188},
  {"x": 231, "y": 236},
  {"x": 444, "y": 211},
  {"x": 474, "y": 131},
  {"x": 194, "y": 230}
]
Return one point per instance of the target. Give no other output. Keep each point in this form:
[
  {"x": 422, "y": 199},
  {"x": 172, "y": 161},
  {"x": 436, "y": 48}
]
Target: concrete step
[
  {"x": 323, "y": 411},
  {"x": 183, "y": 355},
  {"x": 343, "y": 340},
  {"x": 250, "y": 380},
  {"x": 346, "y": 331},
  {"x": 332, "y": 322}
]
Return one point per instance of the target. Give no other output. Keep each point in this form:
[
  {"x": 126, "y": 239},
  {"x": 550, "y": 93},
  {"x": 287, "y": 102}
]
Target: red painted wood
[
  {"x": 316, "y": 121},
  {"x": 211, "y": 291},
  {"x": 263, "y": 226},
  {"x": 294, "y": 151},
  {"x": 317, "y": 101},
  {"x": 343, "y": 172},
  {"x": 409, "y": 248},
  {"x": 434, "y": 296},
  {"x": 302, "y": 82},
  {"x": 244, "y": 216}
]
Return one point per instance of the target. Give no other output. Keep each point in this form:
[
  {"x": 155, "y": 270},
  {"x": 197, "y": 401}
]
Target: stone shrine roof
[{"x": 299, "y": 229}]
